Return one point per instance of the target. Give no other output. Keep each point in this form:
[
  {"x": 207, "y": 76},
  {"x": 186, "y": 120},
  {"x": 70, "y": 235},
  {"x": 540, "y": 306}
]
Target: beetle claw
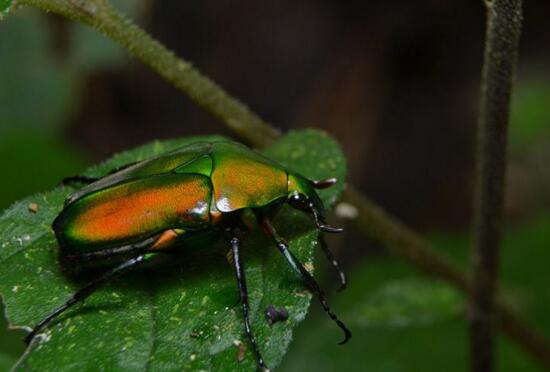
[{"x": 347, "y": 336}]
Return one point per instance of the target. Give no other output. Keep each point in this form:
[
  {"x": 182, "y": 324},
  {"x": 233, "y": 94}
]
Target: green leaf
[
  {"x": 530, "y": 113},
  {"x": 181, "y": 315},
  {"x": 6, "y": 362}
]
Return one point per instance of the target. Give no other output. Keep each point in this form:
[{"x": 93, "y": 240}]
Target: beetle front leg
[
  {"x": 301, "y": 202},
  {"x": 308, "y": 280},
  {"x": 243, "y": 291},
  {"x": 84, "y": 292},
  {"x": 334, "y": 263}
]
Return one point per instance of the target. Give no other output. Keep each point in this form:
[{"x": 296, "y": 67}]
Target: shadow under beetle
[{"x": 153, "y": 206}]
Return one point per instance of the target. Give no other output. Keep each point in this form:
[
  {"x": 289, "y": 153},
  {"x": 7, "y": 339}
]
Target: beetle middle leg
[
  {"x": 243, "y": 291},
  {"x": 86, "y": 291},
  {"x": 299, "y": 268}
]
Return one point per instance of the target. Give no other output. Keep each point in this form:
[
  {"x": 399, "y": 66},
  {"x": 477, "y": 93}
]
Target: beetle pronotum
[{"x": 153, "y": 206}]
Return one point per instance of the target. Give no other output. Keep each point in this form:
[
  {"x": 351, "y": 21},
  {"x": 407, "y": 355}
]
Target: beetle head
[{"x": 302, "y": 195}]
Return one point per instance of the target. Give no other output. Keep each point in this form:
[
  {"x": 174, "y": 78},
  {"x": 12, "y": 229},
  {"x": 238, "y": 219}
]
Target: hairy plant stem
[
  {"x": 372, "y": 220},
  {"x": 504, "y": 19}
]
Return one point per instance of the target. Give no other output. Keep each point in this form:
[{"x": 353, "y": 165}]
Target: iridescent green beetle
[{"x": 156, "y": 205}]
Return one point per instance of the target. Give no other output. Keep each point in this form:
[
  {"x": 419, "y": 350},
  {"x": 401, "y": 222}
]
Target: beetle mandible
[{"x": 153, "y": 206}]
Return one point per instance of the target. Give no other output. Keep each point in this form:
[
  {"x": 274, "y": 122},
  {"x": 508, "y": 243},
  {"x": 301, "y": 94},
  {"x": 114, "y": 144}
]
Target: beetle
[{"x": 155, "y": 206}]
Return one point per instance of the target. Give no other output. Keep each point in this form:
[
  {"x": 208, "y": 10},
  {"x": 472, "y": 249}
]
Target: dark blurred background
[{"x": 396, "y": 83}]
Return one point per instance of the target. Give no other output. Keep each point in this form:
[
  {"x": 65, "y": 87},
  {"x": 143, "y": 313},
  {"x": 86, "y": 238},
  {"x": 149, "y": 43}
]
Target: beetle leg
[
  {"x": 301, "y": 202},
  {"x": 241, "y": 281},
  {"x": 308, "y": 280},
  {"x": 132, "y": 249},
  {"x": 334, "y": 263},
  {"x": 84, "y": 292}
]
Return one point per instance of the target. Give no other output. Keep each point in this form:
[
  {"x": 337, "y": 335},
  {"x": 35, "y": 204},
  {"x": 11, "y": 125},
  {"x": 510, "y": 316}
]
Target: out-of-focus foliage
[
  {"x": 426, "y": 329},
  {"x": 404, "y": 302},
  {"x": 5, "y": 7},
  {"x": 528, "y": 171},
  {"x": 530, "y": 116},
  {"x": 41, "y": 93}
]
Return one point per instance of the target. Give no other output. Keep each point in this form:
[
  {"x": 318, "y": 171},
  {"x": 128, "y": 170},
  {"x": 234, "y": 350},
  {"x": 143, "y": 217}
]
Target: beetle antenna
[
  {"x": 308, "y": 280},
  {"x": 323, "y": 184}
]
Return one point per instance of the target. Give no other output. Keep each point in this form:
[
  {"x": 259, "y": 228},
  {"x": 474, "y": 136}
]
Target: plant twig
[
  {"x": 372, "y": 220},
  {"x": 504, "y": 19}
]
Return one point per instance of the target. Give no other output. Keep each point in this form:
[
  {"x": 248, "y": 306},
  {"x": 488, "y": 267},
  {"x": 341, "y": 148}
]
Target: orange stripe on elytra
[{"x": 131, "y": 210}]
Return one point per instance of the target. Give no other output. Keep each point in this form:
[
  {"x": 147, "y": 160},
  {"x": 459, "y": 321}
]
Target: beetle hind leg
[
  {"x": 307, "y": 278},
  {"x": 85, "y": 292}
]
